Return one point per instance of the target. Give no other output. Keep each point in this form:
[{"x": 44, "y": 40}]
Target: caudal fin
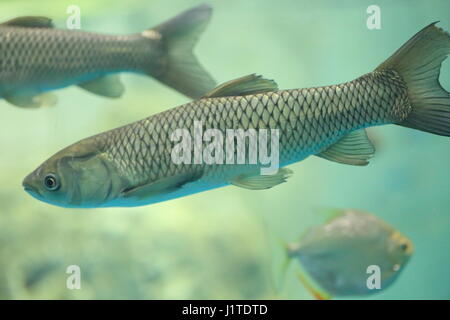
[
  {"x": 182, "y": 71},
  {"x": 418, "y": 62}
]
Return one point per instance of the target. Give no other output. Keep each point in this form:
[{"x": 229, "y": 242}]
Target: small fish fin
[
  {"x": 330, "y": 214},
  {"x": 307, "y": 283},
  {"x": 162, "y": 186},
  {"x": 317, "y": 293},
  {"x": 46, "y": 99},
  {"x": 355, "y": 148},
  {"x": 30, "y": 22},
  {"x": 251, "y": 84},
  {"x": 31, "y": 99},
  {"x": 107, "y": 86},
  {"x": 261, "y": 182},
  {"x": 179, "y": 35},
  {"x": 418, "y": 62}
]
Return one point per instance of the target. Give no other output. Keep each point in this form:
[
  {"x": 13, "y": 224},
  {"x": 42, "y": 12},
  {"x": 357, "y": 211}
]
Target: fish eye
[
  {"x": 51, "y": 182},
  {"x": 404, "y": 246}
]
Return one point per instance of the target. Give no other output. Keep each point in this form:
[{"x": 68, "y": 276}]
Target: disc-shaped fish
[{"x": 354, "y": 253}]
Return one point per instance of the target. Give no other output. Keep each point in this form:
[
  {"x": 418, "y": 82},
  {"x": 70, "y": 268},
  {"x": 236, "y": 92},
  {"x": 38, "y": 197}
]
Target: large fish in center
[
  {"x": 36, "y": 58},
  {"x": 132, "y": 165}
]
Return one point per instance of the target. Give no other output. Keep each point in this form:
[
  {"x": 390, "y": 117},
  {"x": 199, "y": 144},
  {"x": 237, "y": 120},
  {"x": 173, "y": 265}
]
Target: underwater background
[{"x": 225, "y": 243}]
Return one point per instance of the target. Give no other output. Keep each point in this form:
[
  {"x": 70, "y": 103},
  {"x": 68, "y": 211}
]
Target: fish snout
[{"x": 29, "y": 183}]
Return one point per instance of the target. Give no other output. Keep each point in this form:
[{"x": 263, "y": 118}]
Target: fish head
[
  {"x": 400, "y": 249},
  {"x": 80, "y": 176}
]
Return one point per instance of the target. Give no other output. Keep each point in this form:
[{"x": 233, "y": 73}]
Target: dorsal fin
[
  {"x": 30, "y": 22},
  {"x": 355, "y": 148},
  {"x": 251, "y": 84}
]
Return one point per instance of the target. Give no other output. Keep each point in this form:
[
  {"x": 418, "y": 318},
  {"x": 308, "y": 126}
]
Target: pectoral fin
[
  {"x": 108, "y": 86},
  {"x": 160, "y": 187},
  {"x": 31, "y": 99},
  {"x": 355, "y": 148},
  {"x": 261, "y": 182},
  {"x": 30, "y": 22}
]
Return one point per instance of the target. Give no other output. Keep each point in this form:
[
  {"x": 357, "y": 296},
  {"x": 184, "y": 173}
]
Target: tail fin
[
  {"x": 285, "y": 263},
  {"x": 179, "y": 35},
  {"x": 418, "y": 63}
]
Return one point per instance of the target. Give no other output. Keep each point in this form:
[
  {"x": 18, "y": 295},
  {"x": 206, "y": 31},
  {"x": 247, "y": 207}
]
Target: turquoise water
[{"x": 223, "y": 243}]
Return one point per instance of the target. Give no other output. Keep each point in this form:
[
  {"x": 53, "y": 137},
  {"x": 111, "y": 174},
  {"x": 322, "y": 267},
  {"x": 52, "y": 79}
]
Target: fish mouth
[{"x": 31, "y": 190}]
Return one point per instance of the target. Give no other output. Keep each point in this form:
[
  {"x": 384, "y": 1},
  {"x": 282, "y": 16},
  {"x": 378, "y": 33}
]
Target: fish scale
[{"x": 309, "y": 120}]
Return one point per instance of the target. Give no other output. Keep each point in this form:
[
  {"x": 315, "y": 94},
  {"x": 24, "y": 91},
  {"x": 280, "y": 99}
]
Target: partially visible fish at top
[
  {"x": 339, "y": 257},
  {"x": 132, "y": 165},
  {"x": 36, "y": 58}
]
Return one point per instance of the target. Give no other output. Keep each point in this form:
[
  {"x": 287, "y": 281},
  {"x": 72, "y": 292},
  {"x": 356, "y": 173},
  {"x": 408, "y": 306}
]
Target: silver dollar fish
[
  {"x": 133, "y": 165},
  {"x": 36, "y": 58},
  {"x": 336, "y": 255}
]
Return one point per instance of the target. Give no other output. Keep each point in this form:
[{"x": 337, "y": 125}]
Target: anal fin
[
  {"x": 31, "y": 99},
  {"x": 317, "y": 293},
  {"x": 108, "y": 86},
  {"x": 355, "y": 149}
]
